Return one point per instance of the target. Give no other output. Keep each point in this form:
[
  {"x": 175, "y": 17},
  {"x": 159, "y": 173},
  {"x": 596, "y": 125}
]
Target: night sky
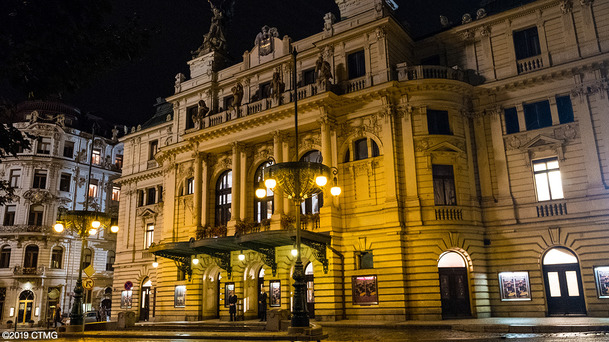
[{"x": 126, "y": 95}]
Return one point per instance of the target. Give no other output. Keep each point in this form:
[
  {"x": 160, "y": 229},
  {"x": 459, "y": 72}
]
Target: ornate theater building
[{"x": 474, "y": 167}]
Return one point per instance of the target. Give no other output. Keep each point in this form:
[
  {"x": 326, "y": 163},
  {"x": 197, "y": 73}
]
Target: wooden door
[{"x": 454, "y": 292}]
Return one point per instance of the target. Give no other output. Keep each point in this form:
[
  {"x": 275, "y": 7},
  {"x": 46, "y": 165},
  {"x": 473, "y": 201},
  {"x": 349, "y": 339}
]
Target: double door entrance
[{"x": 563, "y": 283}]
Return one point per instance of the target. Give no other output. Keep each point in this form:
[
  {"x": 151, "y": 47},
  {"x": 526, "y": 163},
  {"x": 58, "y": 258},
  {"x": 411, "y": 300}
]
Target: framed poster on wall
[
  {"x": 514, "y": 286},
  {"x": 179, "y": 299},
  {"x": 228, "y": 288},
  {"x": 126, "y": 299},
  {"x": 602, "y": 281},
  {"x": 275, "y": 293},
  {"x": 365, "y": 290}
]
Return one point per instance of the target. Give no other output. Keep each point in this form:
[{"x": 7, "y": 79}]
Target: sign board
[
  {"x": 128, "y": 285},
  {"x": 89, "y": 270},
  {"x": 88, "y": 283}
]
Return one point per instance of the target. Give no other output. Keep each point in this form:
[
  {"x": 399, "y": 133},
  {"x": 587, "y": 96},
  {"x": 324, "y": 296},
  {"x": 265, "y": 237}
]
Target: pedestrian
[
  {"x": 262, "y": 297},
  {"x": 232, "y": 306},
  {"x": 57, "y": 318}
]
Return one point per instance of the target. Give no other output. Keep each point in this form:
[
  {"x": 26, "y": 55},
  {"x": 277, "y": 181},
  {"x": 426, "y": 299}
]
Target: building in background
[
  {"x": 473, "y": 164},
  {"x": 39, "y": 267}
]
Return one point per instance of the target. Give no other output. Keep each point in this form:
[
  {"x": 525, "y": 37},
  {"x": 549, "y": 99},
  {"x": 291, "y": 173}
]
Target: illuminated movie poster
[
  {"x": 514, "y": 286},
  {"x": 275, "y": 292},
  {"x": 126, "y": 300},
  {"x": 365, "y": 290},
  {"x": 179, "y": 300},
  {"x": 602, "y": 281}
]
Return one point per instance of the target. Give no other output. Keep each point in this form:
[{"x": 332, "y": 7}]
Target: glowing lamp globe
[
  {"x": 58, "y": 227},
  {"x": 241, "y": 257},
  {"x": 270, "y": 183},
  {"x": 195, "y": 261},
  {"x": 96, "y": 224},
  {"x": 260, "y": 193},
  {"x": 155, "y": 264},
  {"x": 92, "y": 231},
  {"x": 321, "y": 180},
  {"x": 335, "y": 190},
  {"x": 114, "y": 229},
  {"x": 294, "y": 252}
]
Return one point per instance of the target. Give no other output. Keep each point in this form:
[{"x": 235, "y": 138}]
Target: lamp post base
[
  {"x": 76, "y": 314},
  {"x": 300, "y": 318}
]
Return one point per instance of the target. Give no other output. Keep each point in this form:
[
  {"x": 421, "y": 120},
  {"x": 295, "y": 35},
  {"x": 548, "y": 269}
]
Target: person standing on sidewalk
[
  {"x": 262, "y": 305},
  {"x": 232, "y": 306},
  {"x": 57, "y": 317}
]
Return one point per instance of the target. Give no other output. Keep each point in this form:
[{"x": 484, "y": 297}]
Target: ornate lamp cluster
[{"x": 85, "y": 222}]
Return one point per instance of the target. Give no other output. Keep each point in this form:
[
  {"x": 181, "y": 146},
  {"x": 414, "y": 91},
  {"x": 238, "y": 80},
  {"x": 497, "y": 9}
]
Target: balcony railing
[
  {"x": 28, "y": 271},
  {"x": 551, "y": 209},
  {"x": 449, "y": 214},
  {"x": 529, "y": 64},
  {"x": 419, "y": 72},
  {"x": 25, "y": 229}
]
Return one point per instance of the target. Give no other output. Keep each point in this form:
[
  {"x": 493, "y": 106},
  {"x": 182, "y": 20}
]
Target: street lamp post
[
  {"x": 84, "y": 223},
  {"x": 299, "y": 180}
]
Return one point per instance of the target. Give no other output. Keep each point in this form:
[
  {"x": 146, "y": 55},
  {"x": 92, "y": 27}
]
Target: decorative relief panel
[
  {"x": 534, "y": 144},
  {"x": 358, "y": 127}
]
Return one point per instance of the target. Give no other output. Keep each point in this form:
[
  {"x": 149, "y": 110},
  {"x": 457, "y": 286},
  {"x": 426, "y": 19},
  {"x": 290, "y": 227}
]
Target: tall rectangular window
[
  {"x": 228, "y": 101},
  {"x": 56, "y": 257},
  {"x": 565, "y": 109},
  {"x": 526, "y": 43},
  {"x": 35, "y": 217},
  {"x": 548, "y": 182},
  {"x": 9, "y": 215},
  {"x": 191, "y": 112},
  {"x": 64, "y": 182},
  {"x": 5, "y": 257},
  {"x": 118, "y": 161},
  {"x": 116, "y": 193},
  {"x": 444, "y": 185},
  {"x": 93, "y": 186},
  {"x": 511, "y": 121},
  {"x": 437, "y": 122},
  {"x": 96, "y": 157},
  {"x": 140, "y": 198},
  {"x": 68, "y": 149},
  {"x": 537, "y": 115},
  {"x": 14, "y": 178},
  {"x": 153, "y": 149},
  {"x": 356, "y": 64},
  {"x": 44, "y": 146},
  {"x": 40, "y": 179},
  {"x": 149, "y": 238},
  {"x": 190, "y": 186},
  {"x": 308, "y": 76},
  {"x": 150, "y": 196}
]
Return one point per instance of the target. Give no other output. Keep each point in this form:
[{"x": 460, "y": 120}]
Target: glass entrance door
[
  {"x": 26, "y": 302},
  {"x": 564, "y": 291},
  {"x": 145, "y": 303}
]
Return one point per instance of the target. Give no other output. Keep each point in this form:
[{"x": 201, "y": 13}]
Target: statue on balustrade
[
  {"x": 277, "y": 87},
  {"x": 237, "y": 91},
  {"x": 323, "y": 71},
  {"x": 202, "y": 112}
]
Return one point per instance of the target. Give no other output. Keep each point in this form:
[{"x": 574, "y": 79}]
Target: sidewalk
[{"x": 253, "y": 330}]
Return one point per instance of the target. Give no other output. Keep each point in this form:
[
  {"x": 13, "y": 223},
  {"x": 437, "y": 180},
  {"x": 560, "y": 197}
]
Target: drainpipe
[{"x": 342, "y": 271}]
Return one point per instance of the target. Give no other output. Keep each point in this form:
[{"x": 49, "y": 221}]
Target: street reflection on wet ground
[{"x": 394, "y": 335}]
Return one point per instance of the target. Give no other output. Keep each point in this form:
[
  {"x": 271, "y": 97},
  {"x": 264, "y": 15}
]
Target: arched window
[
  {"x": 56, "y": 257},
  {"x": 31, "y": 257},
  {"x": 223, "y": 197},
  {"x": 110, "y": 261},
  {"x": 263, "y": 207},
  {"x": 5, "y": 257},
  {"x": 87, "y": 256},
  {"x": 312, "y": 204}
]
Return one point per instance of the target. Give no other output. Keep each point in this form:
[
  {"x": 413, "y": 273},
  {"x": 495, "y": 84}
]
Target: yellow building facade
[{"x": 472, "y": 163}]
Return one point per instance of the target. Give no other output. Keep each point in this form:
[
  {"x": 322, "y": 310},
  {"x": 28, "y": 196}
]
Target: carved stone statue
[
  {"x": 237, "y": 91},
  {"x": 323, "y": 70},
  {"x": 215, "y": 39},
  {"x": 202, "y": 111},
  {"x": 264, "y": 40},
  {"x": 277, "y": 87}
]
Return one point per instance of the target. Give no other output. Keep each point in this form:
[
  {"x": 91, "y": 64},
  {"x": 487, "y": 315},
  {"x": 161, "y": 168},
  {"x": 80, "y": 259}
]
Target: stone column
[
  {"x": 242, "y": 185},
  {"x": 198, "y": 198},
  {"x": 204, "y": 190},
  {"x": 169, "y": 179},
  {"x": 236, "y": 189}
]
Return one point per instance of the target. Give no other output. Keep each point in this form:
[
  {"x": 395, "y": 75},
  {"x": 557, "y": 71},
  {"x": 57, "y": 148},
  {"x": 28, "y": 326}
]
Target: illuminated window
[
  {"x": 190, "y": 186},
  {"x": 224, "y": 188},
  {"x": 116, "y": 193},
  {"x": 548, "y": 182},
  {"x": 312, "y": 204},
  {"x": 118, "y": 161},
  {"x": 149, "y": 238},
  {"x": 93, "y": 188},
  {"x": 96, "y": 157}
]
